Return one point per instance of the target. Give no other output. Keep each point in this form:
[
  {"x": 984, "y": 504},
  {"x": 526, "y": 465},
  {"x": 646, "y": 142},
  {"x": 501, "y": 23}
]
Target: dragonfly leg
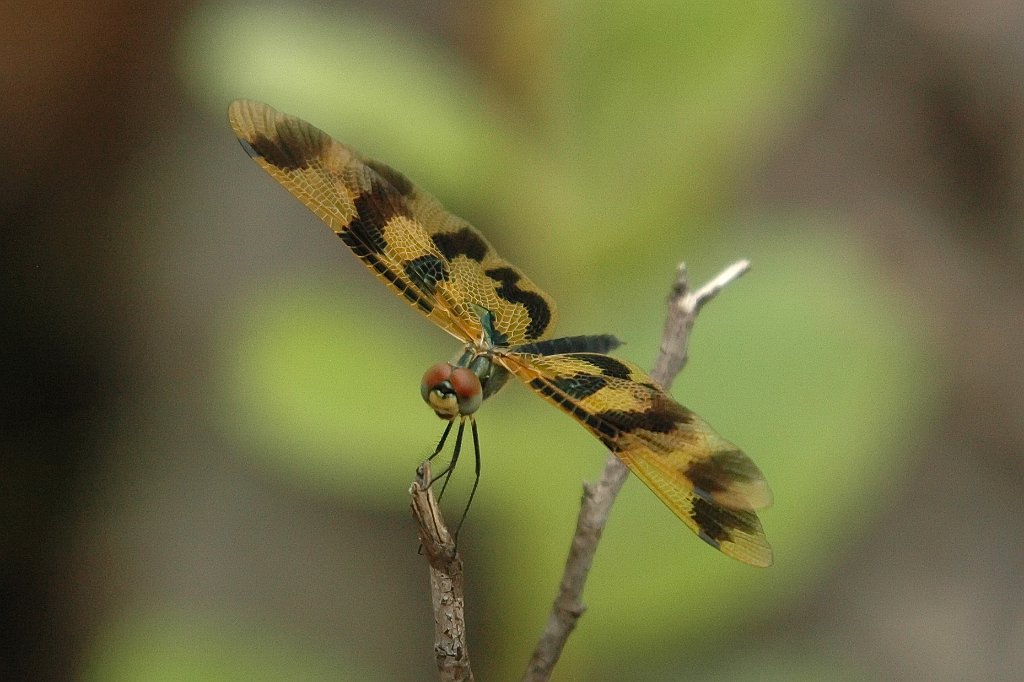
[
  {"x": 476, "y": 480},
  {"x": 450, "y": 469}
]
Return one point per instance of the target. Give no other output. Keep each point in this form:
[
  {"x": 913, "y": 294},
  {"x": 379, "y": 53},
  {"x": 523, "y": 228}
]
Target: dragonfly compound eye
[
  {"x": 433, "y": 378},
  {"x": 449, "y": 392},
  {"x": 467, "y": 390}
]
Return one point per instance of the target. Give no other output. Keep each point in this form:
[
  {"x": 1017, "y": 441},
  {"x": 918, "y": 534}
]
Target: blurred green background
[{"x": 209, "y": 414}]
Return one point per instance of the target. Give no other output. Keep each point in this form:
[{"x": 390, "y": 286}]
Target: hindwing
[{"x": 704, "y": 479}]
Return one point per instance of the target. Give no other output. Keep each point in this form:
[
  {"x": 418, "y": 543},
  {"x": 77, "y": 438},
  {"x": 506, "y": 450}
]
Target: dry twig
[
  {"x": 683, "y": 306},
  {"x": 446, "y": 581}
]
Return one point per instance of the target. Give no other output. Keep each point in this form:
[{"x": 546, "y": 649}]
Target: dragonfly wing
[
  {"x": 437, "y": 261},
  {"x": 704, "y": 479}
]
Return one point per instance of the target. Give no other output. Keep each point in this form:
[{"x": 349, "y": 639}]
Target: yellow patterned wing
[
  {"x": 437, "y": 261},
  {"x": 704, "y": 479}
]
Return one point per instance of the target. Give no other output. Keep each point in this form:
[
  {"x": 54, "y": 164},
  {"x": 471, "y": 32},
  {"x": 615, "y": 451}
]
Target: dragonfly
[{"x": 444, "y": 268}]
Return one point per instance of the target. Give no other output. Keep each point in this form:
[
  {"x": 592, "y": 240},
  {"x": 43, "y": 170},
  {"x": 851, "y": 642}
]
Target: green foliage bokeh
[{"x": 167, "y": 645}]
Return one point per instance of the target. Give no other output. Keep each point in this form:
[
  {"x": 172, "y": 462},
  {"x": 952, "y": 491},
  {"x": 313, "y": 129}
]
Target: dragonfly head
[{"x": 451, "y": 391}]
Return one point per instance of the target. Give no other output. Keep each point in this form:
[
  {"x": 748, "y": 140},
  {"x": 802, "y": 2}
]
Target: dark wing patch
[
  {"x": 721, "y": 470},
  {"x": 374, "y": 211},
  {"x": 661, "y": 414},
  {"x": 717, "y": 524},
  {"x": 465, "y": 242},
  {"x": 288, "y": 151},
  {"x": 538, "y": 308},
  {"x": 606, "y": 364},
  {"x": 397, "y": 180},
  {"x": 578, "y": 386},
  {"x": 426, "y": 272}
]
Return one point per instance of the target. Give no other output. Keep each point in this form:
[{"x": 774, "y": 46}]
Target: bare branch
[
  {"x": 683, "y": 306},
  {"x": 446, "y": 581}
]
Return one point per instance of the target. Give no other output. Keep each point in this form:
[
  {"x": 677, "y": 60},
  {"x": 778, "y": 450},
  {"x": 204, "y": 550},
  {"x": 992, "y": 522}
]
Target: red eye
[
  {"x": 442, "y": 371},
  {"x": 465, "y": 383},
  {"x": 467, "y": 388}
]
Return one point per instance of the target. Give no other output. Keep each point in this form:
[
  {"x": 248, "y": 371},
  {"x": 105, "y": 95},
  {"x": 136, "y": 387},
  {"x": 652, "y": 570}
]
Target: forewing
[
  {"x": 437, "y": 261},
  {"x": 704, "y": 479}
]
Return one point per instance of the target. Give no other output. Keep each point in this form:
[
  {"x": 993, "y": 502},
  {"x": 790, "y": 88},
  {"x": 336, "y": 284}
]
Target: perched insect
[{"x": 445, "y": 269}]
